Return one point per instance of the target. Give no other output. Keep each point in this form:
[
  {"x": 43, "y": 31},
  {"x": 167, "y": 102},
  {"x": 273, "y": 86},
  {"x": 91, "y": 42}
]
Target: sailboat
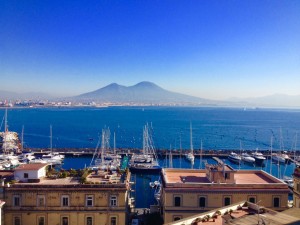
[
  {"x": 102, "y": 158},
  {"x": 147, "y": 160},
  {"x": 190, "y": 156},
  {"x": 53, "y": 158},
  {"x": 281, "y": 157},
  {"x": 9, "y": 140}
]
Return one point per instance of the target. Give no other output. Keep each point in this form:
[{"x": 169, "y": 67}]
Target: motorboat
[
  {"x": 247, "y": 158},
  {"x": 233, "y": 157}
]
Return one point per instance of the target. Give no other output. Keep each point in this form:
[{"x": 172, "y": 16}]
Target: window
[
  {"x": 227, "y": 201},
  {"x": 252, "y": 199},
  {"x": 41, "y": 200},
  {"x": 89, "y": 200},
  {"x": 89, "y": 220},
  {"x": 65, "y": 200},
  {"x": 65, "y": 220},
  {"x": 276, "y": 202},
  {"x": 16, "y": 200},
  {"x": 227, "y": 176},
  {"x": 177, "y": 218},
  {"x": 177, "y": 201},
  {"x": 17, "y": 220},
  {"x": 113, "y": 200},
  {"x": 25, "y": 175},
  {"x": 202, "y": 202},
  {"x": 113, "y": 220},
  {"x": 41, "y": 220}
]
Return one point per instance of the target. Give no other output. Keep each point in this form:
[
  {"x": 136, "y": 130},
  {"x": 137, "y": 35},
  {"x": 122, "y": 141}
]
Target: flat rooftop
[
  {"x": 199, "y": 176},
  {"x": 101, "y": 178}
]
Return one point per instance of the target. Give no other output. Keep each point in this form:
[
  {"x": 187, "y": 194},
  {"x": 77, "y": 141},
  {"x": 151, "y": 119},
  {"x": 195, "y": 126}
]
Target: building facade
[
  {"x": 188, "y": 192},
  {"x": 103, "y": 199},
  {"x": 296, "y": 190}
]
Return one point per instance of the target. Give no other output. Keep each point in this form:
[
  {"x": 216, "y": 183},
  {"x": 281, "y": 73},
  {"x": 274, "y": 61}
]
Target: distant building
[
  {"x": 101, "y": 198},
  {"x": 187, "y": 192},
  {"x": 296, "y": 190}
]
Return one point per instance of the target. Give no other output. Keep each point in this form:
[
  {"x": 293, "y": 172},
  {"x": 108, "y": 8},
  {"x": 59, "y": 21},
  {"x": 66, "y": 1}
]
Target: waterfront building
[
  {"x": 100, "y": 197},
  {"x": 186, "y": 192},
  {"x": 296, "y": 190}
]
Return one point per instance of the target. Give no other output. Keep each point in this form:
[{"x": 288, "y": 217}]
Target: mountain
[
  {"x": 275, "y": 100},
  {"x": 141, "y": 93}
]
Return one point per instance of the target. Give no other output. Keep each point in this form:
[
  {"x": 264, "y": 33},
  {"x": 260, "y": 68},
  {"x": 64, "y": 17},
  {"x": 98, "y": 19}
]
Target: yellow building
[
  {"x": 102, "y": 199},
  {"x": 187, "y": 192},
  {"x": 296, "y": 190}
]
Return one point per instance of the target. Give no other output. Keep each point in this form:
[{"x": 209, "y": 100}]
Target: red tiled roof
[{"x": 33, "y": 166}]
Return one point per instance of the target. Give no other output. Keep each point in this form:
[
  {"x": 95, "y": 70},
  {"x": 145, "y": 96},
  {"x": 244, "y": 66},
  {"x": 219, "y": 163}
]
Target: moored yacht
[
  {"x": 259, "y": 157},
  {"x": 190, "y": 156},
  {"x": 247, "y": 158},
  {"x": 233, "y": 157}
]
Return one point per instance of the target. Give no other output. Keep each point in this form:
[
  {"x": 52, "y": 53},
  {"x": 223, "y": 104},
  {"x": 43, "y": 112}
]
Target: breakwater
[{"x": 160, "y": 152}]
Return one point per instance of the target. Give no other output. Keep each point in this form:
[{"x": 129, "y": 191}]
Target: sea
[{"x": 216, "y": 128}]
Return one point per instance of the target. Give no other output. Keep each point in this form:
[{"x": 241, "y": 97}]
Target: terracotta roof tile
[{"x": 33, "y": 166}]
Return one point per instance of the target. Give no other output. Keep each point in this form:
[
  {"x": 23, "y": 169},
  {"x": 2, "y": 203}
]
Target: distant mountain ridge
[
  {"x": 141, "y": 93},
  {"x": 149, "y": 93},
  {"x": 275, "y": 100}
]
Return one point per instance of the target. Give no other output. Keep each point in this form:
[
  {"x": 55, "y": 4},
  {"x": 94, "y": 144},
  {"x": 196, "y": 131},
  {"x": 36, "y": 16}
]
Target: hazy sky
[{"x": 210, "y": 49}]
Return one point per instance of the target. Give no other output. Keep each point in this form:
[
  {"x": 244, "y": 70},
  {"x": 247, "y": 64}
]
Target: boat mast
[
  {"x": 115, "y": 143},
  {"x": 271, "y": 145},
  {"x": 51, "y": 138},
  {"x": 170, "y": 158},
  {"x": 102, "y": 146},
  {"x": 201, "y": 155},
  {"x": 22, "y": 143},
  {"x": 180, "y": 149},
  {"x": 191, "y": 138},
  {"x": 5, "y": 130}
]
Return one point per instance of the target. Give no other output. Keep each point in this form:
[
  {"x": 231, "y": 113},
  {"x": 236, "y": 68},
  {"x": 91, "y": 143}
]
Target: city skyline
[{"x": 208, "y": 49}]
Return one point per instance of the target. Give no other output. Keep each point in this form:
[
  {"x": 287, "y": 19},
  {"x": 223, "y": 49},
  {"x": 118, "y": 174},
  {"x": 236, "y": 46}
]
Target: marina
[{"x": 144, "y": 152}]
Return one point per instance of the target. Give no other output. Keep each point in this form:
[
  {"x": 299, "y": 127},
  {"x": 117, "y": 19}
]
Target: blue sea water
[{"x": 218, "y": 128}]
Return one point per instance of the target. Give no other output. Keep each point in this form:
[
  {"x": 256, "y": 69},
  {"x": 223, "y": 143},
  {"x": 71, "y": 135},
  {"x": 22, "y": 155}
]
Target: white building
[{"x": 30, "y": 172}]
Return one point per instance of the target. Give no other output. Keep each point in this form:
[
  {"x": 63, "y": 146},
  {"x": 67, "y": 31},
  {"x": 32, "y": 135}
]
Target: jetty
[{"x": 76, "y": 152}]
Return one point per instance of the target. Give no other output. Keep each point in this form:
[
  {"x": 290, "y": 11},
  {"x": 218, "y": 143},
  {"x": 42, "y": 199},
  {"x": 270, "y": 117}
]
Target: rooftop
[
  {"x": 244, "y": 213},
  {"x": 33, "y": 166},
  {"x": 94, "y": 179},
  {"x": 180, "y": 176}
]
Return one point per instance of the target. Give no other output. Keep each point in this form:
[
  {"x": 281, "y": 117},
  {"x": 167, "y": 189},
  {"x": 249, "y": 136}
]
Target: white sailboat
[
  {"x": 53, "y": 158},
  {"x": 190, "y": 156},
  {"x": 281, "y": 157},
  {"x": 147, "y": 161},
  {"x": 102, "y": 158}
]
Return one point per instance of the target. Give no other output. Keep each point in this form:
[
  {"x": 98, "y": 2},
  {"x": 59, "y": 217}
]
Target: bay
[{"x": 218, "y": 128}]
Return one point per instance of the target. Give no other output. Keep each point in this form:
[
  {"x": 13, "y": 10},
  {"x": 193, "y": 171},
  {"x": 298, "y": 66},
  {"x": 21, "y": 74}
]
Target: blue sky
[{"x": 210, "y": 49}]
